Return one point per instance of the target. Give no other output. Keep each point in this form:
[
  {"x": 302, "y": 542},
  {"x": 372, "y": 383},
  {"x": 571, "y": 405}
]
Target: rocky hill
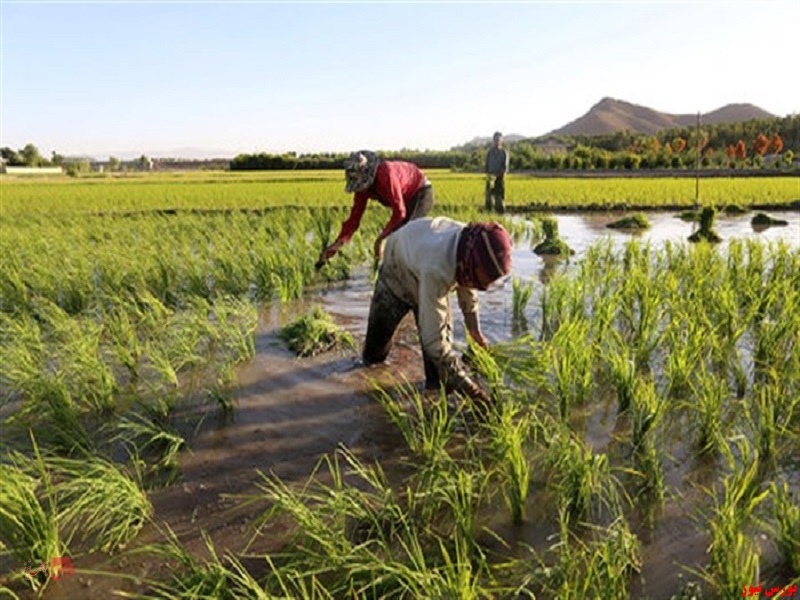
[{"x": 611, "y": 115}]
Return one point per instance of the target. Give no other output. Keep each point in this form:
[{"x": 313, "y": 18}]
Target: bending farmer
[
  {"x": 423, "y": 262},
  {"x": 496, "y": 168},
  {"x": 399, "y": 185}
]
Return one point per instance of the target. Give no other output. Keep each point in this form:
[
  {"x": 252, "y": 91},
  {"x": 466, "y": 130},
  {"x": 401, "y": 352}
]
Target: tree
[
  {"x": 30, "y": 156},
  {"x": 740, "y": 150},
  {"x": 113, "y": 163},
  {"x": 760, "y": 145},
  {"x": 678, "y": 144},
  {"x": 57, "y": 159},
  {"x": 12, "y": 157},
  {"x": 776, "y": 144}
]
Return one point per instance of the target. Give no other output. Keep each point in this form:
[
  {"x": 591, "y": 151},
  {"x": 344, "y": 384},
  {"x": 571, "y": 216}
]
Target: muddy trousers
[
  {"x": 385, "y": 313},
  {"x": 496, "y": 191}
]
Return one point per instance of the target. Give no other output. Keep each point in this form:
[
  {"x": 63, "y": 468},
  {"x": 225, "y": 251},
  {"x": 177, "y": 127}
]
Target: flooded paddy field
[{"x": 288, "y": 413}]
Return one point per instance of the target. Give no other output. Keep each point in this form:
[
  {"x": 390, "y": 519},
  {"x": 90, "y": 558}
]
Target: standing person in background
[
  {"x": 424, "y": 261},
  {"x": 496, "y": 167},
  {"x": 398, "y": 185}
]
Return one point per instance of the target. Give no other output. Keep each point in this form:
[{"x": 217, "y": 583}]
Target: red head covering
[{"x": 486, "y": 245}]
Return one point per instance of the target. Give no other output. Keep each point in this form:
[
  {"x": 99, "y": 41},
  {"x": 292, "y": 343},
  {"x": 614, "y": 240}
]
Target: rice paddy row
[{"x": 253, "y": 191}]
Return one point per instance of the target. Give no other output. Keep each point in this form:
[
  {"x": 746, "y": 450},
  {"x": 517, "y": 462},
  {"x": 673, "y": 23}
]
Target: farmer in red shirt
[{"x": 399, "y": 185}]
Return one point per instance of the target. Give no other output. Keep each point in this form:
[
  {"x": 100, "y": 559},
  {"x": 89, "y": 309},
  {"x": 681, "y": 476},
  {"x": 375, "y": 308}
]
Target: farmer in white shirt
[{"x": 422, "y": 263}]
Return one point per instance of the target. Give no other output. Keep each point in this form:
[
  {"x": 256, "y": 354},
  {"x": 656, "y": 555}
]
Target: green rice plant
[
  {"x": 686, "y": 339},
  {"x": 235, "y": 323},
  {"x": 634, "y": 221},
  {"x": 74, "y": 347},
  {"x": 601, "y": 567},
  {"x": 315, "y": 333},
  {"x": 29, "y": 528},
  {"x": 584, "y": 481},
  {"x": 572, "y": 359},
  {"x": 521, "y": 295},
  {"x": 769, "y": 419},
  {"x": 621, "y": 369},
  {"x": 650, "y": 488},
  {"x": 190, "y": 578},
  {"x": 786, "y": 512},
  {"x": 647, "y": 410},
  {"x": 640, "y": 307},
  {"x": 150, "y": 436},
  {"x": 426, "y": 426},
  {"x": 710, "y": 395},
  {"x": 509, "y": 437},
  {"x": 733, "y": 554},
  {"x": 777, "y": 356},
  {"x": 525, "y": 362},
  {"x": 99, "y": 501},
  {"x": 55, "y": 418},
  {"x": 482, "y": 360},
  {"x": 22, "y": 354}
]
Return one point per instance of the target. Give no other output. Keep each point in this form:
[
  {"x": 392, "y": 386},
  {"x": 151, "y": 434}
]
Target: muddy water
[{"x": 290, "y": 412}]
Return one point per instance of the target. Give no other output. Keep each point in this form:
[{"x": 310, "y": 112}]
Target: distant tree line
[
  {"x": 439, "y": 159},
  {"x": 759, "y": 143}
]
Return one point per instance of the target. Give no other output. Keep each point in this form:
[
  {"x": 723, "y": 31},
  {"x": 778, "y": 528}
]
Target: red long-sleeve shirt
[{"x": 396, "y": 183}]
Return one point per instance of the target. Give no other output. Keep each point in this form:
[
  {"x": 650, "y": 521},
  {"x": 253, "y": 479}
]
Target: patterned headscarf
[
  {"x": 486, "y": 245},
  {"x": 359, "y": 170}
]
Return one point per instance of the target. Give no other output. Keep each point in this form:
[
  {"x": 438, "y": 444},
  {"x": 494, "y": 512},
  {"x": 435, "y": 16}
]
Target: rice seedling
[
  {"x": 509, "y": 437},
  {"x": 315, "y": 333},
  {"x": 572, "y": 360},
  {"x": 98, "y": 501},
  {"x": 602, "y": 567},
  {"x": 622, "y": 370},
  {"x": 584, "y": 481},
  {"x": 521, "y": 295},
  {"x": 426, "y": 426},
  {"x": 552, "y": 243},
  {"x": 734, "y": 556},
  {"x": 706, "y": 231},
  {"x": 710, "y": 395},
  {"x": 635, "y": 222},
  {"x": 151, "y": 437},
  {"x": 56, "y": 420},
  {"x": 190, "y": 577},
  {"x": 28, "y": 513},
  {"x": 786, "y": 512},
  {"x": 647, "y": 410},
  {"x": 640, "y": 307},
  {"x": 769, "y": 417}
]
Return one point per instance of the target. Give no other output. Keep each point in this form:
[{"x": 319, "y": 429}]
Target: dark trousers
[
  {"x": 420, "y": 204},
  {"x": 496, "y": 191},
  {"x": 385, "y": 313}
]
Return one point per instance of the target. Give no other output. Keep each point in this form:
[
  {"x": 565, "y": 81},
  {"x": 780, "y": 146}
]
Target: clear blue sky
[{"x": 158, "y": 77}]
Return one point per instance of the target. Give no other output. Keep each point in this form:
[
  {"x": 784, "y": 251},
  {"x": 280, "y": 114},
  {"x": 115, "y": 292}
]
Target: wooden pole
[{"x": 697, "y": 166}]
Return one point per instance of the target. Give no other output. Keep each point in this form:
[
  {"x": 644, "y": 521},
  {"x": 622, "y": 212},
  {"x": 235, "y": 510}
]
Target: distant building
[{"x": 32, "y": 170}]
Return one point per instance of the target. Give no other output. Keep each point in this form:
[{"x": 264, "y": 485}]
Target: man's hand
[
  {"x": 329, "y": 252},
  {"x": 378, "y": 249}
]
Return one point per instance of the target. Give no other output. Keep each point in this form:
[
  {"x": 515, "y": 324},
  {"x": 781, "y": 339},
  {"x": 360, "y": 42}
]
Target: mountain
[{"x": 611, "y": 115}]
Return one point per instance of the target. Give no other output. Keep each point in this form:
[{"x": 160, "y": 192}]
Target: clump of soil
[
  {"x": 706, "y": 231},
  {"x": 764, "y": 220},
  {"x": 315, "y": 333},
  {"x": 637, "y": 221},
  {"x": 552, "y": 244}
]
